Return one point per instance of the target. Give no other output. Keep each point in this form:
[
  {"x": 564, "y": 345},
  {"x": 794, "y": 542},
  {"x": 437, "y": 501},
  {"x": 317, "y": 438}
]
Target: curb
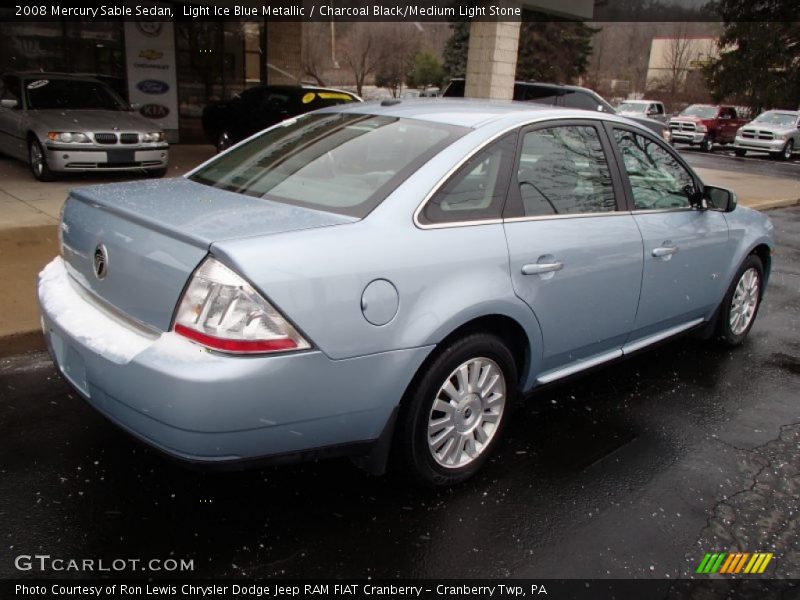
[{"x": 770, "y": 204}]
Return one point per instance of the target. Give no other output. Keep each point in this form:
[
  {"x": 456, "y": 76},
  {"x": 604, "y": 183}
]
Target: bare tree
[
  {"x": 316, "y": 58},
  {"x": 363, "y": 49},
  {"x": 677, "y": 56}
]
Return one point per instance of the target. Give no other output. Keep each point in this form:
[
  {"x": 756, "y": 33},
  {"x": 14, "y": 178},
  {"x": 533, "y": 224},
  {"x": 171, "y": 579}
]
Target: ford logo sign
[
  {"x": 153, "y": 86},
  {"x": 154, "y": 111}
]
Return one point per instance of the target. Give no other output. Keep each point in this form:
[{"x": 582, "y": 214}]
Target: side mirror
[
  {"x": 719, "y": 198},
  {"x": 9, "y": 103}
]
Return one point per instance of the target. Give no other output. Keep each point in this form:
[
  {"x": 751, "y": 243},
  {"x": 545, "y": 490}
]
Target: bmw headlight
[
  {"x": 68, "y": 137},
  {"x": 153, "y": 136}
]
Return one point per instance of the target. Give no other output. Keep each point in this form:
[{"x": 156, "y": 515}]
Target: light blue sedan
[{"x": 387, "y": 278}]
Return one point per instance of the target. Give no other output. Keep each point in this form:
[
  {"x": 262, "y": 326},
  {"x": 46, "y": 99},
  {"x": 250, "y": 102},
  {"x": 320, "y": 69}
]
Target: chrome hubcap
[
  {"x": 36, "y": 158},
  {"x": 466, "y": 413},
  {"x": 745, "y": 301},
  {"x": 788, "y": 150}
]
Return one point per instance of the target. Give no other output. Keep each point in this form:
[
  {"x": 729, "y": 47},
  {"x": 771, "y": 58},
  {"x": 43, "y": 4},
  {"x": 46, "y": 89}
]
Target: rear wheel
[
  {"x": 741, "y": 302},
  {"x": 37, "y": 161},
  {"x": 223, "y": 141},
  {"x": 456, "y": 410}
]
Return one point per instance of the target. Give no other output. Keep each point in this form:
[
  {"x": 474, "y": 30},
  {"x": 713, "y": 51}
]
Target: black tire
[
  {"x": 157, "y": 173},
  {"x": 786, "y": 153},
  {"x": 739, "y": 152},
  {"x": 707, "y": 145},
  {"x": 223, "y": 141},
  {"x": 724, "y": 330},
  {"x": 411, "y": 441},
  {"x": 39, "y": 167}
]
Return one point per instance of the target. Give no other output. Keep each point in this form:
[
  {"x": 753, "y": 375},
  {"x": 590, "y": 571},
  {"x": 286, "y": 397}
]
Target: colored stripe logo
[{"x": 731, "y": 563}]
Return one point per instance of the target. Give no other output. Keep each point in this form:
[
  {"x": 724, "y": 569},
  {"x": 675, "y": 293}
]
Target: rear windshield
[
  {"x": 75, "y": 94},
  {"x": 341, "y": 163}
]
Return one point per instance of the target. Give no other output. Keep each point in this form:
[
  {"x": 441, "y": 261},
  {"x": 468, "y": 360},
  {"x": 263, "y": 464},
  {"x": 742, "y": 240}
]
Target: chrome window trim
[
  {"x": 494, "y": 220},
  {"x": 608, "y": 213}
]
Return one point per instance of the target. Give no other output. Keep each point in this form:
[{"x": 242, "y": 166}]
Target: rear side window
[
  {"x": 563, "y": 170},
  {"x": 478, "y": 190},
  {"x": 536, "y": 93},
  {"x": 341, "y": 163}
]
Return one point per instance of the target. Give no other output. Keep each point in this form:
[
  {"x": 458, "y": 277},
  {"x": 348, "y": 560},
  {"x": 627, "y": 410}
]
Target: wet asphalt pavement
[{"x": 636, "y": 470}]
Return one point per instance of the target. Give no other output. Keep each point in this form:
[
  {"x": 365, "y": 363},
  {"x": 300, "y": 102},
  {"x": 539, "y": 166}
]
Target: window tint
[
  {"x": 657, "y": 179},
  {"x": 563, "y": 170},
  {"x": 342, "y": 163},
  {"x": 478, "y": 190},
  {"x": 536, "y": 93},
  {"x": 582, "y": 100}
]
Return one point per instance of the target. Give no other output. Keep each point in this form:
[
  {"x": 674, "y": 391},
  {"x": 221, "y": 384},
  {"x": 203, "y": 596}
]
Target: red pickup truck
[{"x": 705, "y": 125}]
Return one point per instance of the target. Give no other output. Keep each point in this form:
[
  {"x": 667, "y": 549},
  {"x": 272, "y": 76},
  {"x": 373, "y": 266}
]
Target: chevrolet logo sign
[{"x": 150, "y": 54}]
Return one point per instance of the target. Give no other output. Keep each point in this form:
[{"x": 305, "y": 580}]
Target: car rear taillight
[{"x": 222, "y": 311}]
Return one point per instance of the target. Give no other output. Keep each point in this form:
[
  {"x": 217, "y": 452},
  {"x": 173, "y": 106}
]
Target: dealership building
[{"x": 172, "y": 69}]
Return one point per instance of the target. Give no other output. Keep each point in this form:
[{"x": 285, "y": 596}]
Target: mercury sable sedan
[{"x": 386, "y": 279}]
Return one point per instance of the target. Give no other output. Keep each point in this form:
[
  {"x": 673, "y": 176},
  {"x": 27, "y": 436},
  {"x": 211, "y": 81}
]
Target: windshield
[
  {"x": 776, "y": 118},
  {"x": 80, "y": 94},
  {"x": 341, "y": 163},
  {"x": 704, "y": 112},
  {"x": 632, "y": 107}
]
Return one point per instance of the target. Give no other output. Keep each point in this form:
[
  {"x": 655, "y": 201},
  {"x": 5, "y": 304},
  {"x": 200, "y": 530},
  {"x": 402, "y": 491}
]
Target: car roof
[
  {"x": 50, "y": 75},
  {"x": 468, "y": 112}
]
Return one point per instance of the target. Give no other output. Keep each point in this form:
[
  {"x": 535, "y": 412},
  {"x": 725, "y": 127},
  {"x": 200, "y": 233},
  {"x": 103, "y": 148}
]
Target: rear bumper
[
  {"x": 117, "y": 158},
  {"x": 759, "y": 145},
  {"x": 211, "y": 408}
]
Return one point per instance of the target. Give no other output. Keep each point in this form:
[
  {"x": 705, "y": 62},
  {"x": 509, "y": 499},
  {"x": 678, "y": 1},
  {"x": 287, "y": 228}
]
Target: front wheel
[
  {"x": 787, "y": 151},
  {"x": 707, "y": 145},
  {"x": 739, "y": 152},
  {"x": 456, "y": 410},
  {"x": 37, "y": 160},
  {"x": 741, "y": 302}
]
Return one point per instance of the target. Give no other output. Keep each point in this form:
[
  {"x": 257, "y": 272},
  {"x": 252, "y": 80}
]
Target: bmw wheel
[
  {"x": 741, "y": 302},
  {"x": 457, "y": 409},
  {"x": 38, "y": 161}
]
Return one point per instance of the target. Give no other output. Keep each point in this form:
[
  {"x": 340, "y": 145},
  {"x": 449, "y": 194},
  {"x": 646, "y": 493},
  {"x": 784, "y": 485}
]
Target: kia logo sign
[
  {"x": 153, "y": 86},
  {"x": 154, "y": 111}
]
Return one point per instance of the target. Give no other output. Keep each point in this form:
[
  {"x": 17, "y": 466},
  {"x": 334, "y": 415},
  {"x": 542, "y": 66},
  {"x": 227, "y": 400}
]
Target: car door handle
[
  {"x": 662, "y": 251},
  {"x": 539, "y": 268}
]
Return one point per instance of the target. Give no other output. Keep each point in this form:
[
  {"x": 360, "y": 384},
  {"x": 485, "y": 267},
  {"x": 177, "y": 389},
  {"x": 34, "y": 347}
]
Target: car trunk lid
[{"x": 150, "y": 236}]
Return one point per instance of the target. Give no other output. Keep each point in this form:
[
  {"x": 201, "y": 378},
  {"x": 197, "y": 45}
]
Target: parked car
[
  {"x": 773, "y": 131},
  {"x": 389, "y": 276},
  {"x": 567, "y": 96},
  {"x": 61, "y": 123},
  {"x": 226, "y": 123},
  {"x": 652, "y": 109},
  {"x": 705, "y": 125}
]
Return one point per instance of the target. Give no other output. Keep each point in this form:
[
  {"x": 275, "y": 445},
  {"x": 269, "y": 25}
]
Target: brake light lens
[{"x": 222, "y": 311}]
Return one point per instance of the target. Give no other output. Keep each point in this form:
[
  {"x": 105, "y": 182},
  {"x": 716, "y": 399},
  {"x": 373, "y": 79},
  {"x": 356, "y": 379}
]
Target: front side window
[
  {"x": 478, "y": 190},
  {"x": 658, "y": 180},
  {"x": 341, "y": 163},
  {"x": 563, "y": 170}
]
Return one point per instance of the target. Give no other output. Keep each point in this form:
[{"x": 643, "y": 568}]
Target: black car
[
  {"x": 554, "y": 94},
  {"x": 226, "y": 123}
]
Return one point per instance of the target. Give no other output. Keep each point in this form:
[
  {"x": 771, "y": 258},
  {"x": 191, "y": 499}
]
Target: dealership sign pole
[{"x": 152, "y": 81}]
